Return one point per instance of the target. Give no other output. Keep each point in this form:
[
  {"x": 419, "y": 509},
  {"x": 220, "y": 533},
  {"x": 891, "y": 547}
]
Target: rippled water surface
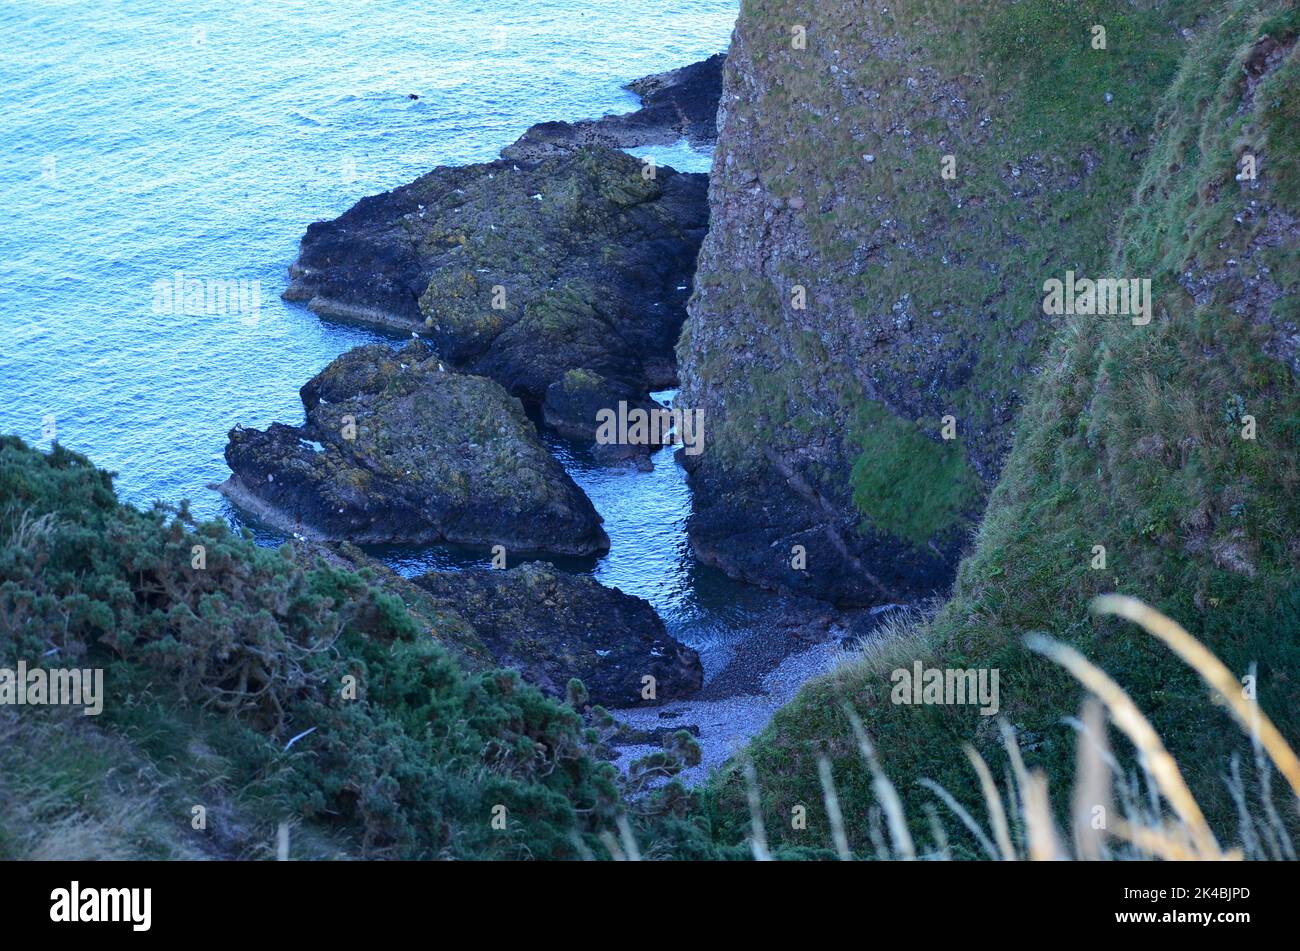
[{"x": 142, "y": 138}]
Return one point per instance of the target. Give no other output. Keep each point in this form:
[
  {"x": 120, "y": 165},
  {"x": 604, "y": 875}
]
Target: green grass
[
  {"x": 1130, "y": 439},
  {"x": 210, "y": 672},
  {"x": 908, "y": 483}
]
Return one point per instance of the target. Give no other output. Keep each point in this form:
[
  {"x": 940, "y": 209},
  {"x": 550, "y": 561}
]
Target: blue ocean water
[{"x": 139, "y": 139}]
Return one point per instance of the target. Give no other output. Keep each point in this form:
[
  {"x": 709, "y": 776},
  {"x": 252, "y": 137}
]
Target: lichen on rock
[
  {"x": 398, "y": 448},
  {"x": 522, "y": 271}
]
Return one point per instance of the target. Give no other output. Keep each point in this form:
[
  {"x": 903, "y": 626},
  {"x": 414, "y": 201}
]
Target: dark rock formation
[
  {"x": 396, "y": 448},
  {"x": 522, "y": 271},
  {"x": 734, "y": 522},
  {"x": 574, "y": 401},
  {"x": 887, "y": 201},
  {"x": 552, "y": 626},
  {"x": 680, "y": 103}
]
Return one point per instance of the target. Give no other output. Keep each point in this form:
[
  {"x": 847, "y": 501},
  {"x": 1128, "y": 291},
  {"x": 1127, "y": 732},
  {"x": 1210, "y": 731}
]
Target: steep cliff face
[
  {"x": 890, "y": 190},
  {"x": 1159, "y": 460}
]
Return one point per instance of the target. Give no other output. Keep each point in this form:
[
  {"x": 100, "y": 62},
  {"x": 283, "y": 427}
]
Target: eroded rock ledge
[
  {"x": 677, "y": 104},
  {"x": 398, "y": 448},
  {"x": 547, "y": 624}
]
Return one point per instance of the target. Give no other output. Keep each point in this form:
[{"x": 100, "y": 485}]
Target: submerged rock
[
  {"x": 522, "y": 271},
  {"x": 677, "y": 104},
  {"x": 552, "y": 626},
  {"x": 397, "y": 448}
]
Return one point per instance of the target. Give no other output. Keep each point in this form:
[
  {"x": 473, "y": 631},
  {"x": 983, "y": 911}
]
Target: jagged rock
[
  {"x": 680, "y": 103},
  {"x": 522, "y": 271},
  {"x": 396, "y": 448},
  {"x": 552, "y": 626}
]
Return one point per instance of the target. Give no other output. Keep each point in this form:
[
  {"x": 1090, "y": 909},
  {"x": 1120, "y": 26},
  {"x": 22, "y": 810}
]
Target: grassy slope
[
  {"x": 210, "y": 672},
  {"x": 1132, "y": 440}
]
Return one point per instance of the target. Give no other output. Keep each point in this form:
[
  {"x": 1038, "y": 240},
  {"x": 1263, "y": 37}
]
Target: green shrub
[{"x": 230, "y": 680}]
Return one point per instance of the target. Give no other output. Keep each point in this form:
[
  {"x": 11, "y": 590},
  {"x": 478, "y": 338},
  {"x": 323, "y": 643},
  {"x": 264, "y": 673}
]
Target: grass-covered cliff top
[{"x": 1135, "y": 438}]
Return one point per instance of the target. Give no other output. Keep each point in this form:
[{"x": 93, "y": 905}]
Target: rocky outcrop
[
  {"x": 522, "y": 272},
  {"x": 552, "y": 626},
  {"x": 398, "y": 448},
  {"x": 580, "y": 396},
  {"x": 888, "y": 196},
  {"x": 547, "y": 624},
  {"x": 677, "y": 104}
]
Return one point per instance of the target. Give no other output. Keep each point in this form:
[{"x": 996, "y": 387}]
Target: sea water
[{"x": 146, "y": 143}]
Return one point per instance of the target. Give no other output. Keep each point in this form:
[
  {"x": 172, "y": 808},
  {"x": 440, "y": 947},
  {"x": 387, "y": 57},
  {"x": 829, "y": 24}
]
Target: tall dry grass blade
[
  {"x": 580, "y": 847},
  {"x": 629, "y": 841},
  {"x": 1130, "y": 798},
  {"x": 942, "y": 852},
  {"x": 832, "y": 801},
  {"x": 992, "y": 803},
  {"x": 1091, "y": 781},
  {"x": 971, "y": 825},
  {"x": 1153, "y": 842},
  {"x": 1129, "y": 718},
  {"x": 758, "y": 835},
  {"x": 884, "y": 789},
  {"x": 1277, "y": 831},
  {"x": 1166, "y": 844},
  {"x": 1273, "y": 829},
  {"x": 1044, "y": 843},
  {"x": 1016, "y": 781},
  {"x": 1013, "y": 807},
  {"x": 1214, "y": 673},
  {"x": 611, "y": 843},
  {"x": 1012, "y": 746},
  {"x": 1251, "y": 839}
]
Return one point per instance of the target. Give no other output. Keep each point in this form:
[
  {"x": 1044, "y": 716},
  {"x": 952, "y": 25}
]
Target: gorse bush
[{"x": 216, "y": 669}]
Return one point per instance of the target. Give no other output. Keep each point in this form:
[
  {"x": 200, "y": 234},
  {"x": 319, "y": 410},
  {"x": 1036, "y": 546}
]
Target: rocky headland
[
  {"x": 554, "y": 279},
  {"x": 561, "y": 271},
  {"x": 523, "y": 272}
]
